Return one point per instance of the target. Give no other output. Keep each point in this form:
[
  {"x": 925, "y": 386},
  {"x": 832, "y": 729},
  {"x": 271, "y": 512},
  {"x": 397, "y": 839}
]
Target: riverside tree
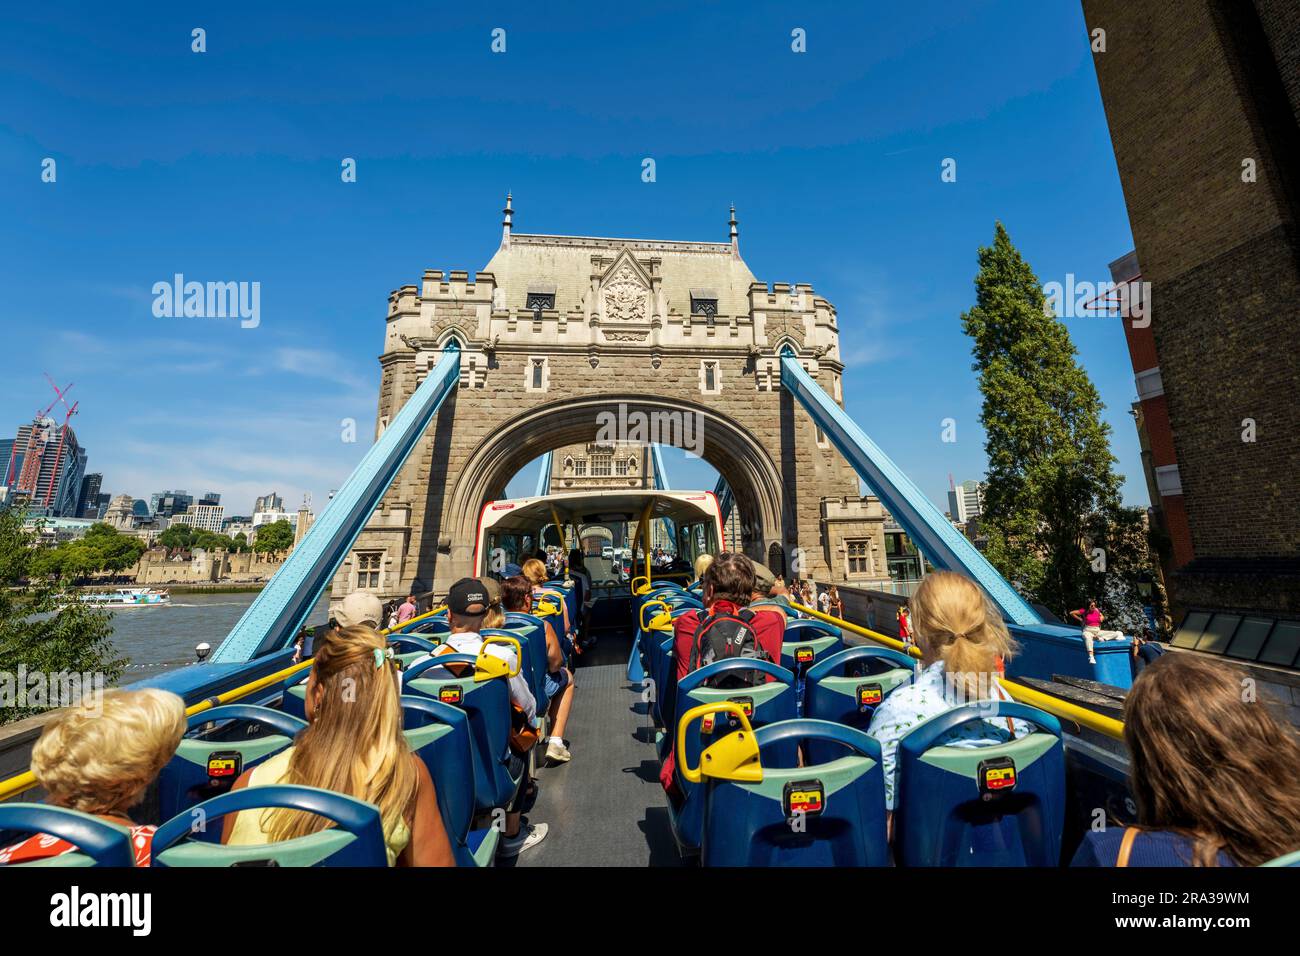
[
  {"x": 1052, "y": 507},
  {"x": 44, "y": 628}
]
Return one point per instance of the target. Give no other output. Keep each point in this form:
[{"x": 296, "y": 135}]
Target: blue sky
[{"x": 225, "y": 166}]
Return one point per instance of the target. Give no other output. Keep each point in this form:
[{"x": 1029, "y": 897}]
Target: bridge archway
[{"x": 729, "y": 447}]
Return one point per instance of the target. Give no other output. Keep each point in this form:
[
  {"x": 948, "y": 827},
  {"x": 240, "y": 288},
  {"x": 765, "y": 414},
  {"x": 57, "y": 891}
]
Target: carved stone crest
[{"x": 624, "y": 295}]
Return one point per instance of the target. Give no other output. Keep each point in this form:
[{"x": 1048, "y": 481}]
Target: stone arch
[{"x": 738, "y": 455}]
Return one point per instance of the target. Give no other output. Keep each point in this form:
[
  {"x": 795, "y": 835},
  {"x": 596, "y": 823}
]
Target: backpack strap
[
  {"x": 1126, "y": 845},
  {"x": 700, "y": 621}
]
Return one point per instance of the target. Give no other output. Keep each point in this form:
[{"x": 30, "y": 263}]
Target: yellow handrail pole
[
  {"x": 645, "y": 522},
  {"x": 27, "y": 780},
  {"x": 1102, "y": 724},
  {"x": 559, "y": 528}
]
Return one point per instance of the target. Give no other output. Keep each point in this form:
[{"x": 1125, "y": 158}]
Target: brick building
[{"x": 1203, "y": 102}]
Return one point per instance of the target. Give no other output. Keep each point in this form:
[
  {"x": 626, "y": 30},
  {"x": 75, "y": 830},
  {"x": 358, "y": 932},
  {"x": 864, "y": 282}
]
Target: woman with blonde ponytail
[
  {"x": 353, "y": 745},
  {"x": 962, "y": 640}
]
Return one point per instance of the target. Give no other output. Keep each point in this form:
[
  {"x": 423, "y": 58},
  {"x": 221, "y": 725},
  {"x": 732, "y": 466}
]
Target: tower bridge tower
[{"x": 561, "y": 334}]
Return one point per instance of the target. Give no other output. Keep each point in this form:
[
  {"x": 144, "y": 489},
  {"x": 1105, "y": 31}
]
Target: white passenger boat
[{"x": 127, "y": 597}]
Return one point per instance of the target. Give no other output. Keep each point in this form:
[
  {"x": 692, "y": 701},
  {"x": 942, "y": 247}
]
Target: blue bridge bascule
[{"x": 258, "y": 644}]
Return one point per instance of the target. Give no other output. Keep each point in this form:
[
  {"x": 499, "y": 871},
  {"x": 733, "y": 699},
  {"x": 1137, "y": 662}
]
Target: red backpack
[{"x": 721, "y": 637}]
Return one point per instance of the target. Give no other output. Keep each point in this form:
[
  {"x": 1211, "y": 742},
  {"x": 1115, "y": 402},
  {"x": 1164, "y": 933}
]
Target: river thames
[{"x": 158, "y": 639}]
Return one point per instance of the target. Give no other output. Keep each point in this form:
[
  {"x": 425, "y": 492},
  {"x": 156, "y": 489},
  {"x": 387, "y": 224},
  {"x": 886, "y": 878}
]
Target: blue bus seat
[
  {"x": 825, "y": 813},
  {"x": 517, "y": 622},
  {"x": 416, "y": 647},
  {"x": 487, "y": 705},
  {"x": 429, "y": 626},
  {"x": 846, "y": 687},
  {"x": 803, "y": 644},
  {"x": 98, "y": 842},
  {"x": 204, "y": 768},
  {"x": 530, "y": 652},
  {"x": 997, "y": 805},
  {"x": 763, "y": 703},
  {"x": 356, "y": 839},
  {"x": 439, "y": 735}
]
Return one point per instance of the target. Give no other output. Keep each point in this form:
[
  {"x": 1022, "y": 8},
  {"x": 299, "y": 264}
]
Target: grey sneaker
[
  {"x": 527, "y": 837},
  {"x": 557, "y": 752}
]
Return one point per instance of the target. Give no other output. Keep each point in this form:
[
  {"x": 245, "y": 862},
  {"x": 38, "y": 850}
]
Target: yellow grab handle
[
  {"x": 652, "y": 603},
  {"x": 734, "y": 757},
  {"x": 643, "y": 588},
  {"x": 489, "y": 666}
]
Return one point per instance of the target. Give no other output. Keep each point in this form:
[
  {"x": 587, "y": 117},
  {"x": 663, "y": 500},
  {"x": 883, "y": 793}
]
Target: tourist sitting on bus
[
  {"x": 535, "y": 572},
  {"x": 581, "y": 577},
  {"x": 701, "y": 565},
  {"x": 496, "y": 612},
  {"x": 727, "y": 628},
  {"x": 353, "y": 745},
  {"x": 360, "y": 608},
  {"x": 99, "y": 757},
  {"x": 517, "y": 595},
  {"x": 766, "y": 596},
  {"x": 1212, "y": 768},
  {"x": 961, "y": 637},
  {"x": 467, "y": 607}
]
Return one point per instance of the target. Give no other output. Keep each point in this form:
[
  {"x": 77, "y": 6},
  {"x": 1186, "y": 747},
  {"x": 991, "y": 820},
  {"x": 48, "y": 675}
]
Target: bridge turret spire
[
  {"x": 508, "y": 213},
  {"x": 735, "y": 233}
]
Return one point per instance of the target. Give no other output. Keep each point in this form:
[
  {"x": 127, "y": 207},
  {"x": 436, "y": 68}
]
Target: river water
[{"x": 158, "y": 639}]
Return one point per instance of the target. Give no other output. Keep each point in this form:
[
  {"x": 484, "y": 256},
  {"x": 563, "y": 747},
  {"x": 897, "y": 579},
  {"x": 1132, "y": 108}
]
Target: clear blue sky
[{"x": 225, "y": 166}]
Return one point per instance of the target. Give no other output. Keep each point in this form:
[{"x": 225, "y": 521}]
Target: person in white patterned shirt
[{"x": 963, "y": 641}]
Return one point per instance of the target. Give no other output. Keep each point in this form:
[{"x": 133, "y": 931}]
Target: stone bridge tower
[{"x": 557, "y": 330}]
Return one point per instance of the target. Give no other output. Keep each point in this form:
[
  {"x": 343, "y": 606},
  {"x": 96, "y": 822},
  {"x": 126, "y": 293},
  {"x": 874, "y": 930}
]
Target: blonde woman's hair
[
  {"x": 701, "y": 565},
  {"x": 354, "y": 744},
  {"x": 101, "y": 755},
  {"x": 495, "y": 617},
  {"x": 953, "y": 621},
  {"x": 535, "y": 571}
]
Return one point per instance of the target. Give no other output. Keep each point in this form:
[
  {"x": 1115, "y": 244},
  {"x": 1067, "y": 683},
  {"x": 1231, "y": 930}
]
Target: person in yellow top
[{"x": 354, "y": 746}]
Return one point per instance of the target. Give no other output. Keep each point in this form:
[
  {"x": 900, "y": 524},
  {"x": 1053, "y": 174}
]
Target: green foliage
[
  {"x": 182, "y": 537},
  {"x": 101, "y": 549},
  {"x": 274, "y": 537},
  {"x": 43, "y": 626},
  {"x": 1051, "y": 496}
]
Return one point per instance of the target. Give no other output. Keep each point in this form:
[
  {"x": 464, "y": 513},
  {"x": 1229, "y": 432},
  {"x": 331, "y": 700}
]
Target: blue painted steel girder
[
  {"x": 942, "y": 544},
  {"x": 279, "y": 610},
  {"x": 544, "y": 477}
]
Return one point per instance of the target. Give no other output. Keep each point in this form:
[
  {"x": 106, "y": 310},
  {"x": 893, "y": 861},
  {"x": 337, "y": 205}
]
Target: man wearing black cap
[{"x": 467, "y": 605}]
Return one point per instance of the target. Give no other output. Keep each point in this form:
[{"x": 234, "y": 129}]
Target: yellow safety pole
[
  {"x": 645, "y": 531},
  {"x": 1081, "y": 716}
]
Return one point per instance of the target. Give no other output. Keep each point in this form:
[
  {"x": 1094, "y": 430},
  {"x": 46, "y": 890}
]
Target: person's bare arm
[
  {"x": 429, "y": 844},
  {"x": 554, "y": 653},
  {"x": 228, "y": 821}
]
